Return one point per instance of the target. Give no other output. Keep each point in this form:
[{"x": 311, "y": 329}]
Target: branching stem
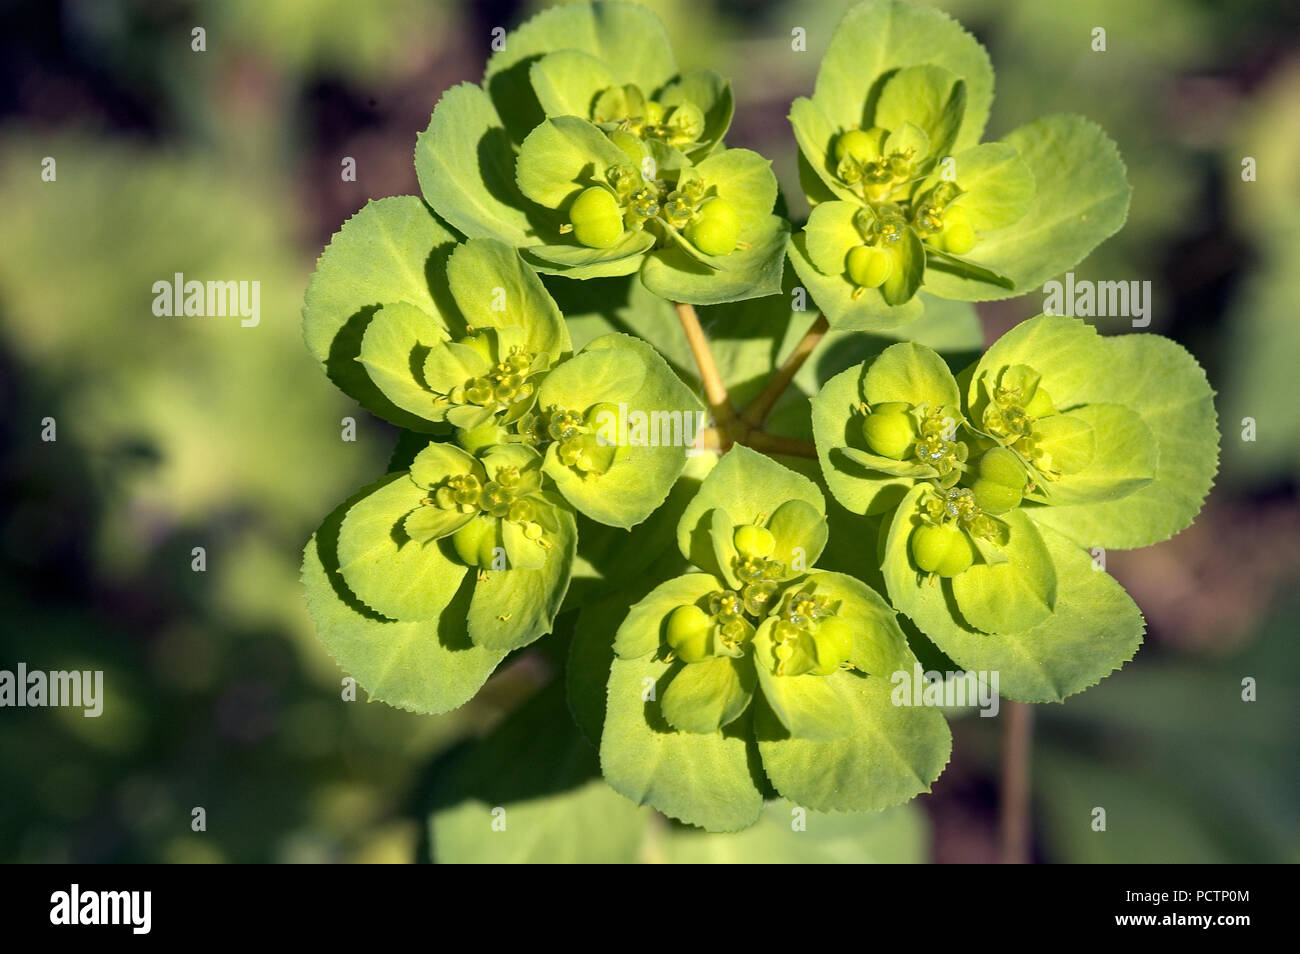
[
  {"x": 730, "y": 427},
  {"x": 758, "y": 411}
]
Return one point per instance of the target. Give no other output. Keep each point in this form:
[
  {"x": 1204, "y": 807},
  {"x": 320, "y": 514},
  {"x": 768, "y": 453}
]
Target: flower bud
[
  {"x": 625, "y": 179},
  {"x": 597, "y": 219},
  {"x": 479, "y": 391},
  {"x": 688, "y": 633},
  {"x": 890, "y": 430},
  {"x": 890, "y": 225},
  {"x": 868, "y": 267},
  {"x": 758, "y": 596},
  {"x": 715, "y": 229},
  {"x": 942, "y": 549}
]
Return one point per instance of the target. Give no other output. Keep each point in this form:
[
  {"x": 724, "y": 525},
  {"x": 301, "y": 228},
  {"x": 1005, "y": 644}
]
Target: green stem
[
  {"x": 762, "y": 405},
  {"x": 729, "y": 427},
  {"x": 715, "y": 392}
]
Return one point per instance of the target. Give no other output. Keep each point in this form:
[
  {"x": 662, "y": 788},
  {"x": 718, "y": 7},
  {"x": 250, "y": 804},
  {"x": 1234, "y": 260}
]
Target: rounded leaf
[
  {"x": 393, "y": 349},
  {"x": 388, "y": 571},
  {"x": 1081, "y": 196},
  {"x": 642, "y": 631},
  {"x": 513, "y": 607},
  {"x": 625, "y": 37},
  {"x": 1094, "y": 627},
  {"x": 749, "y": 487},
  {"x": 383, "y": 255},
  {"x": 428, "y": 666},
  {"x": 493, "y": 288},
  {"x": 701, "y": 779},
  {"x": 704, "y": 696},
  {"x": 465, "y": 163},
  {"x": 1080, "y": 367},
  {"x": 651, "y": 419},
  {"x": 887, "y": 755}
]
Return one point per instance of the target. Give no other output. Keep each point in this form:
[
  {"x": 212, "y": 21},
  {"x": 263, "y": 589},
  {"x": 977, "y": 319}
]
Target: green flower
[
  {"x": 696, "y": 232},
  {"x": 587, "y": 149},
  {"x": 756, "y": 653},
  {"x": 492, "y": 508},
  {"x": 906, "y": 197},
  {"x": 405, "y": 548},
  {"x": 424, "y": 332},
  {"x": 431, "y": 336},
  {"x": 615, "y": 425},
  {"x": 1053, "y": 447},
  {"x": 734, "y": 666},
  {"x": 689, "y": 113}
]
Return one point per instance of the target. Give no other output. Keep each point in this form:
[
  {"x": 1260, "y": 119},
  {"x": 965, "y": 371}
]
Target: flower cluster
[
  {"x": 905, "y": 196},
  {"x": 756, "y": 655},
  {"x": 751, "y": 658},
  {"x": 987, "y": 526},
  {"x": 480, "y": 361},
  {"x": 596, "y": 156}
]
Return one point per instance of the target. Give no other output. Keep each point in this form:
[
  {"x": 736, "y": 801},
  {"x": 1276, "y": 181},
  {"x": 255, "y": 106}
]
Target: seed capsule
[
  {"x": 752, "y": 541},
  {"x": 890, "y": 430},
  {"x": 942, "y": 549},
  {"x": 688, "y": 631},
  {"x": 606, "y": 420},
  {"x": 957, "y": 237},
  {"x": 597, "y": 219},
  {"x": 868, "y": 267},
  {"x": 715, "y": 229},
  {"x": 858, "y": 145}
]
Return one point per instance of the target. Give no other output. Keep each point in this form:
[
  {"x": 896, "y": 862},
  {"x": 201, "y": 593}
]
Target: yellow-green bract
[
  {"x": 1054, "y": 446},
  {"x": 892, "y": 163}
]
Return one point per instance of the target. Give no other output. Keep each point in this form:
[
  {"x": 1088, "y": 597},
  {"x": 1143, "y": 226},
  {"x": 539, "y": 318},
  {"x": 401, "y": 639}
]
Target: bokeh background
[{"x": 176, "y": 433}]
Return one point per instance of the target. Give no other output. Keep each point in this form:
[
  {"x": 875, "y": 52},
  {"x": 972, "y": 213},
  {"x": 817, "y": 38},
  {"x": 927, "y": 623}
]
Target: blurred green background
[{"x": 177, "y": 433}]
